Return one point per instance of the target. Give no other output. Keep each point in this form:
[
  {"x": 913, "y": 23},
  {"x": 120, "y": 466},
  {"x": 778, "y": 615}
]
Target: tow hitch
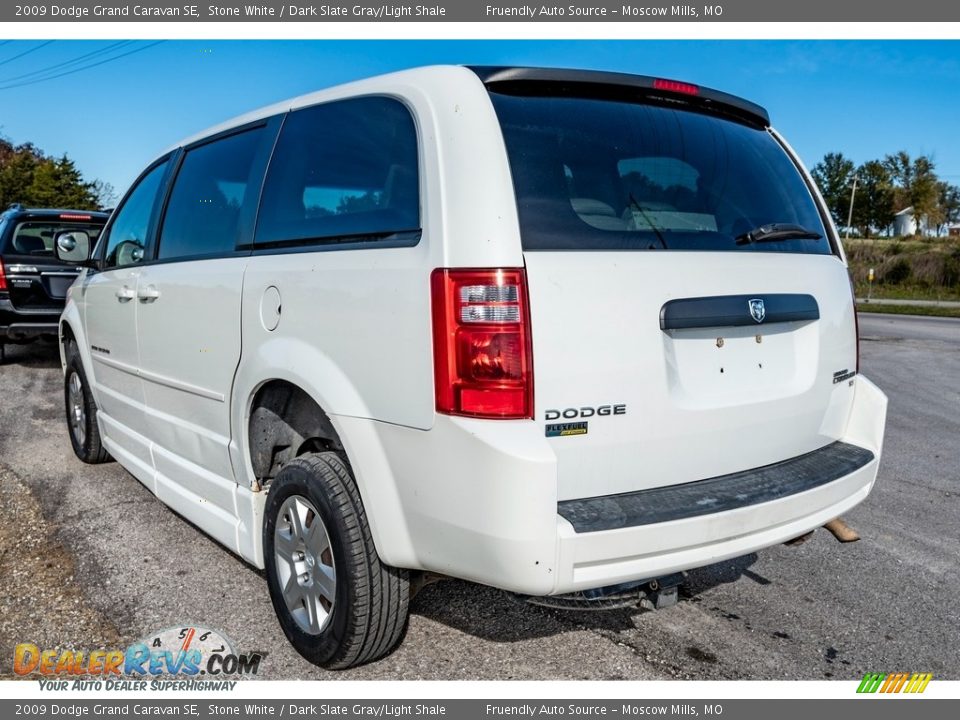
[{"x": 652, "y": 594}]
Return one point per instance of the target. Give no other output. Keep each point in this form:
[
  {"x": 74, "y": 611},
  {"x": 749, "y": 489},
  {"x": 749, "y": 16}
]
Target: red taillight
[
  {"x": 74, "y": 216},
  {"x": 675, "y": 86},
  {"x": 482, "y": 360},
  {"x": 3, "y": 278}
]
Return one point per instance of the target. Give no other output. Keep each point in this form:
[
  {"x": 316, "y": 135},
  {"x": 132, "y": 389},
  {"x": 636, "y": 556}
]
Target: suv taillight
[
  {"x": 3, "y": 278},
  {"x": 482, "y": 358}
]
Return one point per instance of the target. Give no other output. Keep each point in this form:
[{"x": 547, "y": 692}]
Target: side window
[
  {"x": 128, "y": 231},
  {"x": 212, "y": 189},
  {"x": 345, "y": 169}
]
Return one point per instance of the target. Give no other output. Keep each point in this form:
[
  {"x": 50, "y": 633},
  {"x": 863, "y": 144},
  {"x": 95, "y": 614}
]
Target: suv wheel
[
  {"x": 338, "y": 605},
  {"x": 81, "y": 411}
]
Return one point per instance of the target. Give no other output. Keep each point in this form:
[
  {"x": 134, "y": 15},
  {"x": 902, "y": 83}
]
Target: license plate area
[
  {"x": 57, "y": 284},
  {"x": 713, "y": 367}
]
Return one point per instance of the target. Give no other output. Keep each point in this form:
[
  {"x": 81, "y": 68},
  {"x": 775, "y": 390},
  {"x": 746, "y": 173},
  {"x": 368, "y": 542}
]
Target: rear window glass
[
  {"x": 36, "y": 237},
  {"x": 606, "y": 175},
  {"x": 343, "y": 170}
]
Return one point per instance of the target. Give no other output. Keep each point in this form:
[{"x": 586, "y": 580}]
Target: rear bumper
[
  {"x": 478, "y": 500},
  {"x": 596, "y": 559},
  {"x": 716, "y": 495},
  {"x": 16, "y": 324},
  {"x": 607, "y": 557}
]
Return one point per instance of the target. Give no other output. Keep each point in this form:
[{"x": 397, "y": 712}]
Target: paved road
[{"x": 821, "y": 610}]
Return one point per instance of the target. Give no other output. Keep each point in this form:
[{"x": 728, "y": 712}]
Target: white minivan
[{"x": 545, "y": 330}]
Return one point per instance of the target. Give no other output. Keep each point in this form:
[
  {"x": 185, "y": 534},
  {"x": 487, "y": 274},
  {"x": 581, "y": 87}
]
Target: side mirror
[
  {"x": 72, "y": 247},
  {"x": 129, "y": 252}
]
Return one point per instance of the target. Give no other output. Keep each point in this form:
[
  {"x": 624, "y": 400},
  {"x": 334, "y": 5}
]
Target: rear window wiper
[
  {"x": 637, "y": 206},
  {"x": 772, "y": 232}
]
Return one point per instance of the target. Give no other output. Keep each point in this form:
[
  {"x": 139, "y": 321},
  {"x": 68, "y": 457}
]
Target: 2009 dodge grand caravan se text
[{"x": 544, "y": 330}]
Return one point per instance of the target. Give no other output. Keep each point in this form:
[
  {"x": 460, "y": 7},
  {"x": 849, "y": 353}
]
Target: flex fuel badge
[{"x": 566, "y": 429}]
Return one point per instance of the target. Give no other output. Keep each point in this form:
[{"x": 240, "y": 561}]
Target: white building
[{"x": 904, "y": 223}]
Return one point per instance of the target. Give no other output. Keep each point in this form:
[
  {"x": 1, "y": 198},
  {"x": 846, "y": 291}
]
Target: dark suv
[{"x": 33, "y": 282}]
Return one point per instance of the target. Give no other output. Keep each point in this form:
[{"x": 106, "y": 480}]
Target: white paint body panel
[
  {"x": 470, "y": 498},
  {"x": 693, "y": 410},
  {"x": 189, "y": 341}
]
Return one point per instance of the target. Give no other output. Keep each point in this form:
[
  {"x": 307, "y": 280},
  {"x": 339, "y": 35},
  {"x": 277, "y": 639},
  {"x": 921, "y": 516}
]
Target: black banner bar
[
  {"x": 480, "y": 11},
  {"x": 207, "y": 708}
]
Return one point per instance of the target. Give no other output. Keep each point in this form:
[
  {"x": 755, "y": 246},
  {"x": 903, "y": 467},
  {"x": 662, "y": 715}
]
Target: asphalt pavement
[{"x": 88, "y": 556}]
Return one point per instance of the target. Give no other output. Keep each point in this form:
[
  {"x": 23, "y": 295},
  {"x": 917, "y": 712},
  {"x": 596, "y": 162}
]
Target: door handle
[
  {"x": 148, "y": 294},
  {"x": 126, "y": 294}
]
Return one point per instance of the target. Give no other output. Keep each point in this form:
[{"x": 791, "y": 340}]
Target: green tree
[
  {"x": 58, "y": 183},
  {"x": 915, "y": 185},
  {"x": 900, "y": 167},
  {"x": 834, "y": 176},
  {"x": 949, "y": 202},
  {"x": 16, "y": 175},
  {"x": 925, "y": 192},
  {"x": 873, "y": 206},
  {"x": 30, "y": 177},
  {"x": 6, "y": 150}
]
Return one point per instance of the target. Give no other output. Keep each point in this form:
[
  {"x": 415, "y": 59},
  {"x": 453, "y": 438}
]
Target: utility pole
[{"x": 853, "y": 194}]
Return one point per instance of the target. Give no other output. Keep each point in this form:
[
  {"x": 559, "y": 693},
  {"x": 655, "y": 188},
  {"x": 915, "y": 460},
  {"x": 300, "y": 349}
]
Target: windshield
[{"x": 606, "y": 175}]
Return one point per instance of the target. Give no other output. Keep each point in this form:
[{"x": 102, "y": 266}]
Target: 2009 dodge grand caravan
[{"x": 545, "y": 330}]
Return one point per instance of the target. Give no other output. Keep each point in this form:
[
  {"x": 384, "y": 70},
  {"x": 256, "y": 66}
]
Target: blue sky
[{"x": 863, "y": 98}]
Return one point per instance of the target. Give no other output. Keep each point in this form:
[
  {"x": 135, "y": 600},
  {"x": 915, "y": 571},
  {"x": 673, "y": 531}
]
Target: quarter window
[
  {"x": 212, "y": 189},
  {"x": 342, "y": 171},
  {"x": 128, "y": 231}
]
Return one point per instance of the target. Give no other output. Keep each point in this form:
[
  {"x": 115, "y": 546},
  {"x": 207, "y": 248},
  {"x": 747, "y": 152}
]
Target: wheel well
[
  {"x": 66, "y": 333},
  {"x": 285, "y": 422}
]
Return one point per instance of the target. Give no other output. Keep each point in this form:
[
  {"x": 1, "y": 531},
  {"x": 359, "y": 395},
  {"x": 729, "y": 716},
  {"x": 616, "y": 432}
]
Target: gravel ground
[
  {"x": 91, "y": 559},
  {"x": 40, "y": 598}
]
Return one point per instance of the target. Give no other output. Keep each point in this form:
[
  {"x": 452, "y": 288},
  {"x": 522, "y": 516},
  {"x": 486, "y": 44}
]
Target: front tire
[
  {"x": 337, "y": 603},
  {"x": 81, "y": 411}
]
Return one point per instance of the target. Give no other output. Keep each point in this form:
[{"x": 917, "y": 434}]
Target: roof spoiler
[{"x": 619, "y": 86}]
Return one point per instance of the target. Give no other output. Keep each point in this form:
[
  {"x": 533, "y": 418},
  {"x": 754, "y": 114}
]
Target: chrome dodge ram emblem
[{"x": 757, "y": 311}]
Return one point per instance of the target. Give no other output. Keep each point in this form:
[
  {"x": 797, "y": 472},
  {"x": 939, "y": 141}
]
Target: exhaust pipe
[
  {"x": 837, "y": 527},
  {"x": 841, "y": 531}
]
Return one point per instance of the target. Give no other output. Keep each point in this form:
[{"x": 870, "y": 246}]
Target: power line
[
  {"x": 26, "y": 52},
  {"x": 80, "y": 69},
  {"x": 67, "y": 63}
]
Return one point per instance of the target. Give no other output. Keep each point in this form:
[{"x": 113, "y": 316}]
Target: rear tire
[
  {"x": 337, "y": 603},
  {"x": 81, "y": 411}
]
